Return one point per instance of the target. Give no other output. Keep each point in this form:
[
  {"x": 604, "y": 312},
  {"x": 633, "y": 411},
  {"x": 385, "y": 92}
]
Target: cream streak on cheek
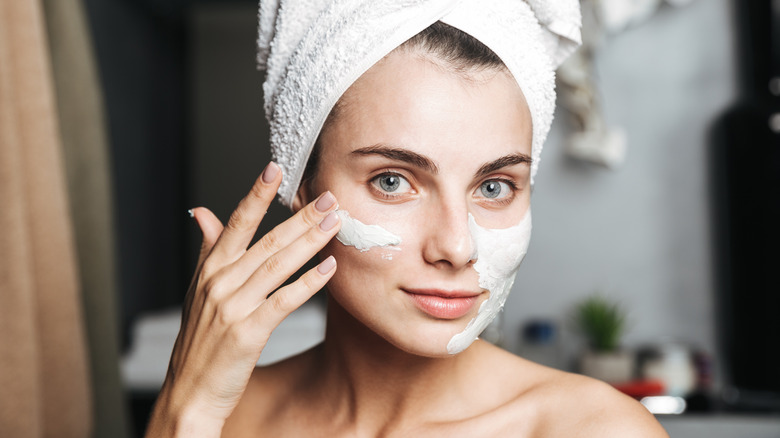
[
  {"x": 499, "y": 254},
  {"x": 363, "y": 237}
]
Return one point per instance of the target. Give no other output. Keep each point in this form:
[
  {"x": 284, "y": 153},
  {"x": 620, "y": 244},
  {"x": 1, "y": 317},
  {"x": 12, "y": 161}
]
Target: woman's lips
[{"x": 443, "y": 304}]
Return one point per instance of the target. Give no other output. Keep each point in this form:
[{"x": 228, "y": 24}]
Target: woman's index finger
[{"x": 245, "y": 219}]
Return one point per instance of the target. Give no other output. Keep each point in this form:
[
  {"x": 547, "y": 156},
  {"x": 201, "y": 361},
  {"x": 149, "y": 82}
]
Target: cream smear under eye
[
  {"x": 498, "y": 254},
  {"x": 362, "y": 236}
]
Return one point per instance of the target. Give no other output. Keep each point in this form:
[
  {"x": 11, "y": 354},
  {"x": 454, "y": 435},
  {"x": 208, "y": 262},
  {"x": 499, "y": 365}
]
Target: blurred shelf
[{"x": 721, "y": 425}]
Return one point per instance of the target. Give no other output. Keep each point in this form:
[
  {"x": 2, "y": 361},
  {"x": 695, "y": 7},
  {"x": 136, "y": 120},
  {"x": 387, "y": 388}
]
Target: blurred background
[{"x": 654, "y": 262}]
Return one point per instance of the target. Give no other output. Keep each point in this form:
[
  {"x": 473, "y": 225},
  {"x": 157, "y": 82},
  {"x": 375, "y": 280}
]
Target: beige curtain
[
  {"x": 44, "y": 377},
  {"x": 82, "y": 128}
]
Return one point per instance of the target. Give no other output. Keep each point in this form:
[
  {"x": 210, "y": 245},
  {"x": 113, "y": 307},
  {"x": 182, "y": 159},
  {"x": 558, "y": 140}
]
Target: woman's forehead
[{"x": 409, "y": 103}]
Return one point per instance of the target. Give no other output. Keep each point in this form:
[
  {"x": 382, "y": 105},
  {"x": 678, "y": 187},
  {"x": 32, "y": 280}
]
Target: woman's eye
[
  {"x": 391, "y": 183},
  {"x": 495, "y": 189}
]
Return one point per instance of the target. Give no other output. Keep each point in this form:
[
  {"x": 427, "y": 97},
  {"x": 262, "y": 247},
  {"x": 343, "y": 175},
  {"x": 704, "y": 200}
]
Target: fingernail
[
  {"x": 325, "y": 202},
  {"x": 270, "y": 172},
  {"x": 329, "y": 222},
  {"x": 192, "y": 213},
  {"x": 327, "y": 265}
]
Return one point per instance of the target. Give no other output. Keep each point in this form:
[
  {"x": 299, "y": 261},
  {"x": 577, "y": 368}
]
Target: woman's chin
[
  {"x": 424, "y": 349},
  {"x": 431, "y": 340}
]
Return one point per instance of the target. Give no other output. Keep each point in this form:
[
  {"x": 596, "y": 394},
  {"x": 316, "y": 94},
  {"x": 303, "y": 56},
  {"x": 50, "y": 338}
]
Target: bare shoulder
[
  {"x": 526, "y": 399},
  {"x": 578, "y": 406}
]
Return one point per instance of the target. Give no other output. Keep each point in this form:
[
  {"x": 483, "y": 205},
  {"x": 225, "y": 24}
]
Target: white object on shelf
[{"x": 664, "y": 404}]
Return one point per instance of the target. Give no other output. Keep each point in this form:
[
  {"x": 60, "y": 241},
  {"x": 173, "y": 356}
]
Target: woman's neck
[{"x": 370, "y": 382}]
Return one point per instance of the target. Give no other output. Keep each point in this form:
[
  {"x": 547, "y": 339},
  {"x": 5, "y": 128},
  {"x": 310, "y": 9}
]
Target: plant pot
[{"x": 609, "y": 366}]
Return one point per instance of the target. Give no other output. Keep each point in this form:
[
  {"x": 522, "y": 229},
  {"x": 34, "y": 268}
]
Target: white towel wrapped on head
[{"x": 314, "y": 50}]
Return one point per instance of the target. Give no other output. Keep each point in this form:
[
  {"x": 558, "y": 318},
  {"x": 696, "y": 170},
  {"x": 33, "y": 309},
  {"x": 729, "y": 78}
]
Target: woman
[{"x": 428, "y": 157}]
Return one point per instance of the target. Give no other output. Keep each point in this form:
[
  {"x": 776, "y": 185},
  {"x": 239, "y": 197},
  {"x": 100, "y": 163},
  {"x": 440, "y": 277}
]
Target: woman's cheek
[
  {"x": 361, "y": 243},
  {"x": 363, "y": 236}
]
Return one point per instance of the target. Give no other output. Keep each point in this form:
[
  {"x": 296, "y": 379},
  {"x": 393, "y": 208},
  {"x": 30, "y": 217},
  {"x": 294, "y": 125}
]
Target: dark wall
[
  {"x": 141, "y": 57},
  {"x": 186, "y": 127}
]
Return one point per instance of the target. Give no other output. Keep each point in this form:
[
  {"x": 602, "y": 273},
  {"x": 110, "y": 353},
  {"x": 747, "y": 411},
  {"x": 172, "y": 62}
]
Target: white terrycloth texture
[{"x": 313, "y": 50}]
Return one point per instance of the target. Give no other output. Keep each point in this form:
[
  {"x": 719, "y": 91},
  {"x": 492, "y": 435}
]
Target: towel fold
[{"x": 312, "y": 51}]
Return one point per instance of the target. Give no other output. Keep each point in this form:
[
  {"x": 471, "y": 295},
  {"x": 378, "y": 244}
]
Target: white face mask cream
[
  {"x": 498, "y": 254},
  {"x": 362, "y": 236}
]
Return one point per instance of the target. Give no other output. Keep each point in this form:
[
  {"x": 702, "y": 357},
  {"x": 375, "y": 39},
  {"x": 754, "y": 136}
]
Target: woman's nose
[{"x": 448, "y": 242}]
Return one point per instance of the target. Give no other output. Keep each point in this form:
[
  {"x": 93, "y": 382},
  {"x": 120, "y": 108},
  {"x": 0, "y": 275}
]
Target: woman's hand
[{"x": 228, "y": 313}]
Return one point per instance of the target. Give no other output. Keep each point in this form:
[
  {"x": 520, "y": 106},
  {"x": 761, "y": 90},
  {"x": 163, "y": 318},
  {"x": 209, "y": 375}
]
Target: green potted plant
[{"x": 602, "y": 322}]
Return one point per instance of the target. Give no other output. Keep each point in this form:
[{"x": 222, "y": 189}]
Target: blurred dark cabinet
[{"x": 746, "y": 199}]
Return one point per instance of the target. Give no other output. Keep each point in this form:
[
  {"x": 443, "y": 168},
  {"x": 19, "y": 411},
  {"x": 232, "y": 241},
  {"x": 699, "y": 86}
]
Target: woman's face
[{"x": 415, "y": 148}]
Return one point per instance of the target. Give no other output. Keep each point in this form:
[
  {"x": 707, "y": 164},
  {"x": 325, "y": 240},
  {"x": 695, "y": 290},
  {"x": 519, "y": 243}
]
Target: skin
[{"x": 383, "y": 369}]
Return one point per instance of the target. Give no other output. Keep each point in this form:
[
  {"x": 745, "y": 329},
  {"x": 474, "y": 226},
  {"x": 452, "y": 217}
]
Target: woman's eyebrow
[
  {"x": 399, "y": 154},
  {"x": 506, "y": 160}
]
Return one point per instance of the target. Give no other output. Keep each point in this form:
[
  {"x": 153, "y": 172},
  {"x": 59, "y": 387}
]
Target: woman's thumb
[{"x": 210, "y": 227}]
